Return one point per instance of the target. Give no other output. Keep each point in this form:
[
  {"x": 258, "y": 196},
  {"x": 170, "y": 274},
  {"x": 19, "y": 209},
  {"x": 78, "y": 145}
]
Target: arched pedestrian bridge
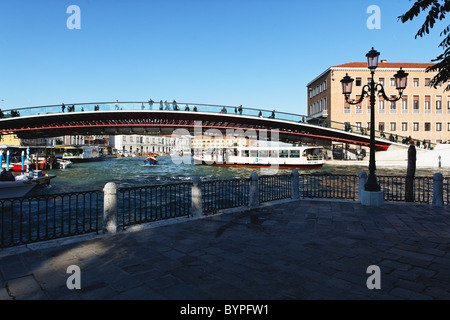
[{"x": 112, "y": 118}]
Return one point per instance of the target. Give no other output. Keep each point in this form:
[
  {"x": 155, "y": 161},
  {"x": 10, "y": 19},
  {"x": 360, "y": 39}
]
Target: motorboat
[
  {"x": 305, "y": 157},
  {"x": 151, "y": 160},
  {"x": 64, "y": 164},
  {"x": 15, "y": 186},
  {"x": 15, "y": 189}
]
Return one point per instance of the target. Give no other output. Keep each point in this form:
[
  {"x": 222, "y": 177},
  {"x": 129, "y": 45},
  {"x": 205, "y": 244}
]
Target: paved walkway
[{"x": 288, "y": 250}]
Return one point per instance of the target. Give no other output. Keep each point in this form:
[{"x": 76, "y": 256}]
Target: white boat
[
  {"x": 78, "y": 153},
  {"x": 304, "y": 157},
  {"x": 14, "y": 189},
  {"x": 23, "y": 184},
  {"x": 64, "y": 164}
]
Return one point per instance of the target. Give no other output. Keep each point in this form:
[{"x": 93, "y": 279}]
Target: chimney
[{"x": 383, "y": 60}]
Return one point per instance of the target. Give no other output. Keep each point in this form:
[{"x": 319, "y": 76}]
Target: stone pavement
[{"x": 303, "y": 249}]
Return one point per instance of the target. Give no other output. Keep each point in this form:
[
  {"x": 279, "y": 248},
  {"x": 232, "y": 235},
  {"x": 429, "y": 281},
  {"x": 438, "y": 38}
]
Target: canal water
[{"x": 130, "y": 172}]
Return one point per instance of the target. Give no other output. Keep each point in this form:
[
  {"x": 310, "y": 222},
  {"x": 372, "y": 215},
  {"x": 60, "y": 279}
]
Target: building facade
[
  {"x": 145, "y": 144},
  {"x": 423, "y": 113},
  {"x": 203, "y": 143}
]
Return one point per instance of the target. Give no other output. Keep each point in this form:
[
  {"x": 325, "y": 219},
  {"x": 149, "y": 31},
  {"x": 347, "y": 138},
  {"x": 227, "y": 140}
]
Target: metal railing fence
[
  {"x": 275, "y": 187},
  {"x": 224, "y": 194},
  {"x": 152, "y": 203},
  {"x": 37, "y": 218},
  {"x": 32, "y": 219}
]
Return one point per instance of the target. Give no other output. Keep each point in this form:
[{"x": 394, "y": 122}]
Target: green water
[{"x": 129, "y": 172}]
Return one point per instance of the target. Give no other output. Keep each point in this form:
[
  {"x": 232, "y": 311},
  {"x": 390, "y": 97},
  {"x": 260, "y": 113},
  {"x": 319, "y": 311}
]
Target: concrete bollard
[
  {"x": 295, "y": 182},
  {"x": 362, "y": 181},
  {"x": 254, "y": 191},
  {"x": 196, "y": 207},
  {"x": 110, "y": 208},
  {"x": 438, "y": 190}
]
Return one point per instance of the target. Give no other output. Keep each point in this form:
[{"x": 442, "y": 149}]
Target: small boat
[
  {"x": 64, "y": 164},
  {"x": 281, "y": 157},
  {"x": 23, "y": 184},
  {"x": 15, "y": 189},
  {"x": 36, "y": 176},
  {"x": 151, "y": 161}
]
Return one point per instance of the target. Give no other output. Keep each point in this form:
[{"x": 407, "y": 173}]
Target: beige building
[
  {"x": 206, "y": 142},
  {"x": 423, "y": 113}
]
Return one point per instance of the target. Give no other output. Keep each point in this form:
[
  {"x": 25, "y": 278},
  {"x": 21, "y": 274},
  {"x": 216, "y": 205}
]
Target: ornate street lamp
[{"x": 370, "y": 90}]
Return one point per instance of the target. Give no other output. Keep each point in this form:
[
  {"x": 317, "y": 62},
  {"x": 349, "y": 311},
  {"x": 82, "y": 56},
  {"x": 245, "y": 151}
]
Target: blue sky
[{"x": 258, "y": 53}]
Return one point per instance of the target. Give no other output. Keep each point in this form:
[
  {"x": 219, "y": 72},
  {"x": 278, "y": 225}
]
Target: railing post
[
  {"x": 362, "y": 181},
  {"x": 196, "y": 208},
  {"x": 295, "y": 193},
  {"x": 438, "y": 190},
  {"x": 110, "y": 208},
  {"x": 254, "y": 191}
]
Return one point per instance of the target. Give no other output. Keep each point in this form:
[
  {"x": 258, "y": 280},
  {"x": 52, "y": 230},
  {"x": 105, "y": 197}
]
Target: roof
[
  {"x": 394, "y": 65},
  {"x": 389, "y": 65}
]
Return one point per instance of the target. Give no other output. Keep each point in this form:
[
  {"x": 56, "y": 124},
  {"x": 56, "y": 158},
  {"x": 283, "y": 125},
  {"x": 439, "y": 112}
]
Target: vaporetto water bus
[{"x": 305, "y": 157}]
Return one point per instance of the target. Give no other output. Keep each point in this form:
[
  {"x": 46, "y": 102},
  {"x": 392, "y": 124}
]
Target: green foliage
[{"x": 437, "y": 10}]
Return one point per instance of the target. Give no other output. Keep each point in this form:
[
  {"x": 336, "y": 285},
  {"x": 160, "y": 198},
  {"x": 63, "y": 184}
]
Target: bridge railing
[{"x": 188, "y": 106}]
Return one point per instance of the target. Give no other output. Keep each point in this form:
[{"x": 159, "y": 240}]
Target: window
[
  {"x": 381, "y": 106},
  {"x": 381, "y": 126},
  {"x": 448, "y": 126},
  {"x": 294, "y": 154},
  {"x": 346, "y": 107},
  {"x": 253, "y": 153},
  {"x": 405, "y": 104},
  {"x": 392, "y": 82},
  {"x": 438, "y": 126},
  {"x": 416, "y": 82},
  {"x": 381, "y": 81},
  {"x": 358, "y": 106},
  {"x": 427, "y": 126},
  {"x": 416, "y": 104},
  {"x": 438, "y": 104},
  {"x": 393, "y": 126},
  {"x": 273, "y": 153},
  {"x": 262, "y": 153},
  {"x": 131, "y": 139},
  {"x": 358, "y": 82},
  {"x": 284, "y": 153},
  {"x": 427, "y": 106},
  {"x": 358, "y": 125},
  {"x": 415, "y": 126},
  {"x": 404, "y": 126},
  {"x": 427, "y": 82},
  {"x": 393, "y": 106},
  {"x": 124, "y": 138}
]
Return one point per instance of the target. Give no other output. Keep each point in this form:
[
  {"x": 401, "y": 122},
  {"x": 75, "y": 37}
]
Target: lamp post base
[{"x": 372, "y": 198}]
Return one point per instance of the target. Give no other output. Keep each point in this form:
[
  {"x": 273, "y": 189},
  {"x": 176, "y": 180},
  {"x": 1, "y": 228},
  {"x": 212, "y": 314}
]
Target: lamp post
[{"x": 370, "y": 90}]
